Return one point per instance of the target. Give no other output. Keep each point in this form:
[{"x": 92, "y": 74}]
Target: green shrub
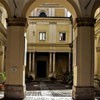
[
  {"x": 2, "y": 77},
  {"x": 66, "y": 78}
]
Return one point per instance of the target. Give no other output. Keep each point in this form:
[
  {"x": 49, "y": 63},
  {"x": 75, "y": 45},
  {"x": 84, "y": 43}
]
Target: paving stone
[
  {"x": 47, "y": 91},
  {"x": 48, "y": 98}
]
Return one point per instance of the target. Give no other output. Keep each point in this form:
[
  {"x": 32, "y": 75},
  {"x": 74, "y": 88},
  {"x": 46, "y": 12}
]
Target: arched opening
[
  {"x": 41, "y": 56},
  {"x": 97, "y": 51},
  {"x": 3, "y": 42},
  {"x": 69, "y": 5},
  {"x": 6, "y": 7},
  {"x": 3, "y": 35},
  {"x": 3, "y": 15}
]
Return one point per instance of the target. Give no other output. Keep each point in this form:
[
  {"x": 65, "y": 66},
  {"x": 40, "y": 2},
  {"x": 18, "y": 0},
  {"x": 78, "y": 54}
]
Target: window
[
  {"x": 62, "y": 36},
  {"x": 42, "y": 36},
  {"x": 42, "y": 14}
]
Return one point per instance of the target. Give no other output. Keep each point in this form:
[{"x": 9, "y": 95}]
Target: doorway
[{"x": 41, "y": 69}]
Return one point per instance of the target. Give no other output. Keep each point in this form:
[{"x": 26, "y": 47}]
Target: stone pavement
[
  {"x": 46, "y": 91},
  {"x": 49, "y": 91}
]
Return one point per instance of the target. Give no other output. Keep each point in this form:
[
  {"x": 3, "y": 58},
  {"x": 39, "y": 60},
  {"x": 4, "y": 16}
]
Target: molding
[
  {"x": 49, "y": 19},
  {"x": 14, "y": 92},
  {"x": 49, "y": 44},
  {"x": 18, "y": 21},
  {"x": 85, "y": 22},
  {"x": 83, "y": 93}
]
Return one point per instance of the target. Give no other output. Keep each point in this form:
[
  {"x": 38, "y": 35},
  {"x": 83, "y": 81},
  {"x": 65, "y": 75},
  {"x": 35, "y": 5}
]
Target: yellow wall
[
  {"x": 52, "y": 28},
  {"x": 59, "y": 12}
]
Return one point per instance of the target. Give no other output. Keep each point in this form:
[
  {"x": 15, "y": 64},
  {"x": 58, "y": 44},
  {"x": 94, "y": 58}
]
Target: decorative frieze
[
  {"x": 85, "y": 22},
  {"x": 18, "y": 21}
]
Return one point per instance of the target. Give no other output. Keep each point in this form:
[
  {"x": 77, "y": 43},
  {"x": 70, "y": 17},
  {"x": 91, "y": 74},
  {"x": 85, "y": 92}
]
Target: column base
[
  {"x": 83, "y": 93},
  {"x": 52, "y": 75},
  {"x": 15, "y": 92},
  {"x": 31, "y": 75}
]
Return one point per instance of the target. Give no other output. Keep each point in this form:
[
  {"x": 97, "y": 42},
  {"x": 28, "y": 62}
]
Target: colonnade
[
  {"x": 83, "y": 59},
  {"x": 52, "y": 63}
]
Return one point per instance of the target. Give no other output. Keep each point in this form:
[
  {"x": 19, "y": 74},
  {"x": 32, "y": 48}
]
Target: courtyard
[{"x": 46, "y": 90}]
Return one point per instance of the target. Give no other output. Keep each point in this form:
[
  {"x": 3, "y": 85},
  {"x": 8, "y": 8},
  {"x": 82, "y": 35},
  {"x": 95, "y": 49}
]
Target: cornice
[
  {"x": 85, "y": 22},
  {"x": 49, "y": 20},
  {"x": 18, "y": 21},
  {"x": 50, "y": 44}
]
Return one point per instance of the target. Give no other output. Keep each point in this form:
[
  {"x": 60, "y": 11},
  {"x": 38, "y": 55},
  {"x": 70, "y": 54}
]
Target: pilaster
[
  {"x": 15, "y": 67},
  {"x": 33, "y": 65},
  {"x": 53, "y": 62},
  {"x": 83, "y": 59},
  {"x": 30, "y": 62},
  {"x": 50, "y": 65}
]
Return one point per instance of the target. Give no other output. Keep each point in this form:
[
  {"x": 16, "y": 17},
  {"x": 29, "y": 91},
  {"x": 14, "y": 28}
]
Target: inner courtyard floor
[{"x": 46, "y": 90}]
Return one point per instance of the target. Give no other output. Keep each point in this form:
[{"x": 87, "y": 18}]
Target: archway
[
  {"x": 36, "y": 4},
  {"x": 5, "y": 5},
  {"x": 83, "y": 38},
  {"x": 3, "y": 37},
  {"x": 70, "y": 6},
  {"x": 97, "y": 50}
]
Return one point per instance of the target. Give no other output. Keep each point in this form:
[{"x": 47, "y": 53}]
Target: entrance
[{"x": 41, "y": 69}]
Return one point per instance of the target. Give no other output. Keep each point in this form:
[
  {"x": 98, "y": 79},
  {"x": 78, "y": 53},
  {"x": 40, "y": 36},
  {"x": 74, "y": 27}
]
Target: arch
[
  {"x": 95, "y": 7},
  {"x": 5, "y": 5},
  {"x": 69, "y": 4}
]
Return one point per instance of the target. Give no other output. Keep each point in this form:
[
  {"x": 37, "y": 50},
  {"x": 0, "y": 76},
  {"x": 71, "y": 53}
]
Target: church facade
[{"x": 49, "y": 40}]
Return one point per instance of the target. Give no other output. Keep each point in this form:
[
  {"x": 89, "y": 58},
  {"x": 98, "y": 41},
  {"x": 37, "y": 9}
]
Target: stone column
[
  {"x": 54, "y": 65},
  {"x": 95, "y": 54},
  {"x": 33, "y": 65},
  {"x": 83, "y": 59},
  {"x": 15, "y": 69},
  {"x": 69, "y": 60},
  {"x": 30, "y": 63},
  {"x": 97, "y": 61},
  {"x": 1, "y": 58},
  {"x": 50, "y": 64}
]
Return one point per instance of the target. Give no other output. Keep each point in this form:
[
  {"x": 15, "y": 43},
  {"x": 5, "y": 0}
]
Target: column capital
[
  {"x": 18, "y": 21},
  {"x": 83, "y": 21}
]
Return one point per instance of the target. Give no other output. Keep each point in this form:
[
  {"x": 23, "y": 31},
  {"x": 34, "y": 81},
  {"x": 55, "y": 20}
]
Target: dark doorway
[{"x": 41, "y": 69}]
